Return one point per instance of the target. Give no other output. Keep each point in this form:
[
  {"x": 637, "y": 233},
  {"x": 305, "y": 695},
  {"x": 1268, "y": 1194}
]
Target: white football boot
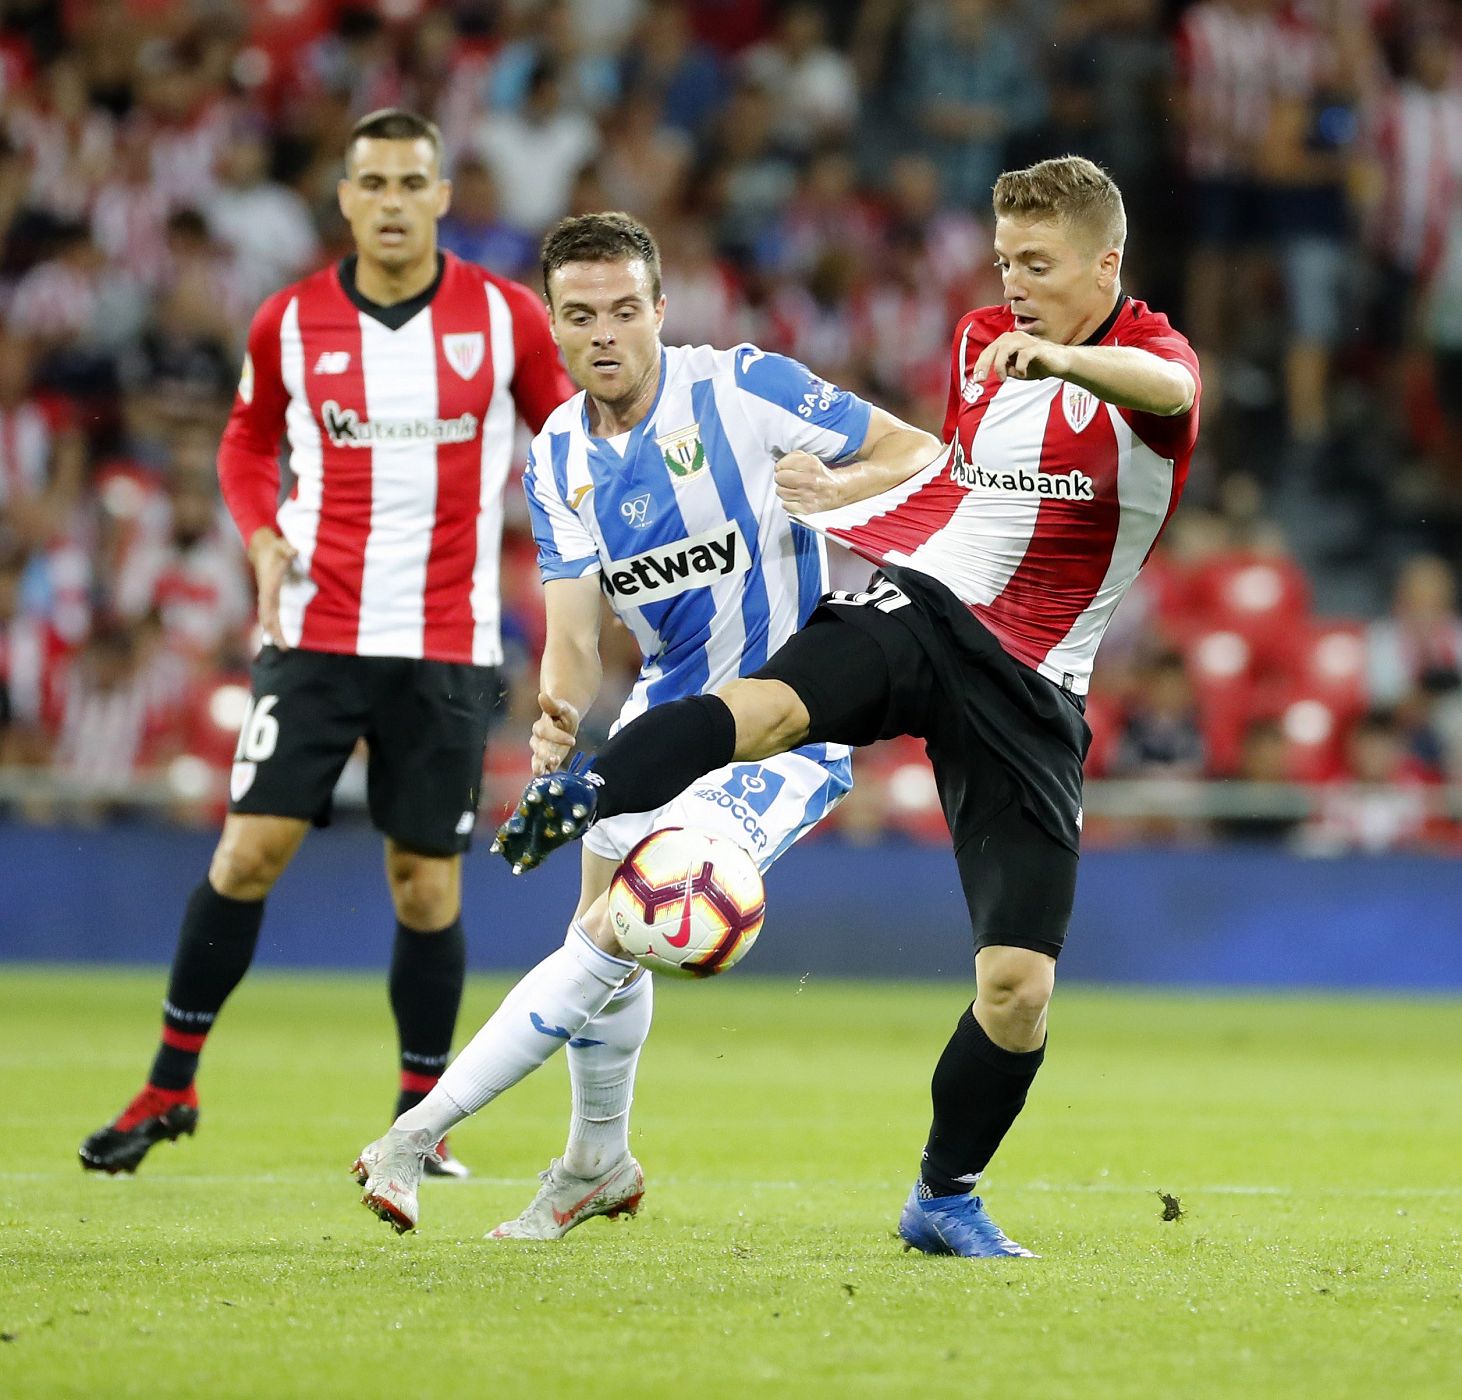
[
  {"x": 565, "y": 1200},
  {"x": 390, "y": 1170}
]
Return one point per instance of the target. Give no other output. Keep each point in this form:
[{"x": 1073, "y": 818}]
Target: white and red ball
[{"x": 687, "y": 902}]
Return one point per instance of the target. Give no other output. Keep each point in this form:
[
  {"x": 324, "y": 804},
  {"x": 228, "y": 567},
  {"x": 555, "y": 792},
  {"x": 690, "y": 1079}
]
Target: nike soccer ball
[{"x": 687, "y": 903}]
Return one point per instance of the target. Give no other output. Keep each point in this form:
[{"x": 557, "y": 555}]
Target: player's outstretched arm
[
  {"x": 891, "y": 452},
  {"x": 571, "y": 672},
  {"x": 1124, "y": 375}
]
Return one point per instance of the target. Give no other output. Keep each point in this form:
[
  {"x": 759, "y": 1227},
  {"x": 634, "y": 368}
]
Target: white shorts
[{"x": 763, "y": 807}]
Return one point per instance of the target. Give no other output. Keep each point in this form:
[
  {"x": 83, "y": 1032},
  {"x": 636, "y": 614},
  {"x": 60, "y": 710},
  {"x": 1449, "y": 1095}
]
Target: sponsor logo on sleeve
[{"x": 673, "y": 569}]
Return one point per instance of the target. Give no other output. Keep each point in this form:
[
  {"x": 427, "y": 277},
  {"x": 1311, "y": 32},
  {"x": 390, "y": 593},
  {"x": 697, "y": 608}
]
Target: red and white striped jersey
[
  {"x": 25, "y": 452},
  {"x": 1234, "y": 63},
  {"x": 400, "y": 443},
  {"x": 1045, "y": 503},
  {"x": 1416, "y": 143}
]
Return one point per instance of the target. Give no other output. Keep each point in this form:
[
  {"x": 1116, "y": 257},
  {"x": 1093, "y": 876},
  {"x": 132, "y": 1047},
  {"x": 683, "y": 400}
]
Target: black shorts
[
  {"x": 1006, "y": 744},
  {"x": 425, "y": 725}
]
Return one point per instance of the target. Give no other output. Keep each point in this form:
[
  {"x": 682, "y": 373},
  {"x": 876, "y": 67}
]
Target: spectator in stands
[
  {"x": 645, "y": 161},
  {"x": 552, "y": 37},
  {"x": 474, "y": 228},
  {"x": 1263, "y": 758},
  {"x": 535, "y": 153},
  {"x": 1161, "y": 736},
  {"x": 816, "y": 87},
  {"x": 1306, "y": 162},
  {"x": 1231, "y": 55},
  {"x": 28, "y": 653},
  {"x": 665, "y": 56},
  {"x": 975, "y": 89},
  {"x": 750, "y": 178},
  {"x": 186, "y": 570},
  {"x": 1421, "y": 641},
  {"x": 264, "y": 224},
  {"x": 1380, "y": 803}
]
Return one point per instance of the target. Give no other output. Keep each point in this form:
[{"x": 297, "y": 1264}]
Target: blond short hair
[{"x": 1070, "y": 188}]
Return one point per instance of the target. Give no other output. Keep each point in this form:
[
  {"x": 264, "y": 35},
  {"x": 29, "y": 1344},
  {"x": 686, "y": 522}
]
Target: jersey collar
[
  {"x": 638, "y": 431},
  {"x": 396, "y": 315},
  {"x": 1105, "y": 329}
]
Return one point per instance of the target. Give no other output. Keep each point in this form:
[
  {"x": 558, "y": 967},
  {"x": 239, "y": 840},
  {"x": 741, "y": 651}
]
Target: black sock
[
  {"x": 427, "y": 973},
  {"x": 660, "y": 754},
  {"x": 978, "y": 1089},
  {"x": 215, "y": 947}
]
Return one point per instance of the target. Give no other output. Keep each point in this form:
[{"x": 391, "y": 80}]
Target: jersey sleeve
[
  {"x": 1170, "y": 436},
  {"x": 248, "y": 453},
  {"x": 797, "y": 410},
  {"x": 540, "y": 383},
  {"x": 958, "y": 362},
  {"x": 565, "y": 548}
]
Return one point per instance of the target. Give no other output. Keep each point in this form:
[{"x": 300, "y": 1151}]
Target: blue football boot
[
  {"x": 555, "y": 808},
  {"x": 955, "y": 1225}
]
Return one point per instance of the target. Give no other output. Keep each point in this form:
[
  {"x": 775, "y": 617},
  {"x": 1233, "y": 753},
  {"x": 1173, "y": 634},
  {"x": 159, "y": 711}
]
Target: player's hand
[
  {"x": 1018, "y": 355},
  {"x": 272, "y": 557},
  {"x": 555, "y": 733},
  {"x": 806, "y": 485}
]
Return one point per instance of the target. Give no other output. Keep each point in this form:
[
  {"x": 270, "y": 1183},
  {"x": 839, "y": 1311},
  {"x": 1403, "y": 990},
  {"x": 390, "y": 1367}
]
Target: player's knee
[
  {"x": 1014, "y": 992},
  {"x": 770, "y": 717},
  {"x": 424, "y": 889},
  {"x": 595, "y": 921},
  {"x": 247, "y": 862}
]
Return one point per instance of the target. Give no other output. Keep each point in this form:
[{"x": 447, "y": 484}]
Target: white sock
[
  {"x": 547, "y": 1009},
  {"x": 603, "y": 1077}
]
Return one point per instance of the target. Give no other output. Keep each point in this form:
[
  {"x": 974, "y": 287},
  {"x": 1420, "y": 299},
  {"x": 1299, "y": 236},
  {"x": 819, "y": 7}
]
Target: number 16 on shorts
[{"x": 258, "y": 736}]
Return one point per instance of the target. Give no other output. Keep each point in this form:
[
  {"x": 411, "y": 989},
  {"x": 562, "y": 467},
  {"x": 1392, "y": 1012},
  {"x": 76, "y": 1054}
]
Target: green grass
[{"x": 1314, "y": 1144}]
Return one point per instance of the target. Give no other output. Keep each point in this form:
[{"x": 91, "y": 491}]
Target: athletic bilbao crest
[
  {"x": 684, "y": 453},
  {"x": 1079, "y": 405},
  {"x": 464, "y": 352}
]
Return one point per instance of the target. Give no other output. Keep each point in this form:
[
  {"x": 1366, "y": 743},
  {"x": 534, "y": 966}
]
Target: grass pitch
[{"x": 1313, "y": 1146}]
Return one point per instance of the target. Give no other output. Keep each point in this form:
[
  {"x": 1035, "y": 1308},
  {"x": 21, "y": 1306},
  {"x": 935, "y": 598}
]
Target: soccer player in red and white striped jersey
[
  {"x": 397, "y": 377},
  {"x": 1073, "y": 413}
]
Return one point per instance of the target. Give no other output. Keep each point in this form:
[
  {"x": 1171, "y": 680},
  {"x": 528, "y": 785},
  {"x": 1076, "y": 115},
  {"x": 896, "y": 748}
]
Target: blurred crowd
[{"x": 818, "y": 175}]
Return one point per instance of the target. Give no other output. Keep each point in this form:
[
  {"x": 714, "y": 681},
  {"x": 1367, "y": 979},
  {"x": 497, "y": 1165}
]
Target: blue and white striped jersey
[{"x": 680, "y": 516}]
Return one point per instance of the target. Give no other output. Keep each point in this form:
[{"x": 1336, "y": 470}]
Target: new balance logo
[
  {"x": 466, "y": 822},
  {"x": 346, "y": 428},
  {"x": 1072, "y": 486},
  {"x": 333, "y": 362},
  {"x": 658, "y": 574}
]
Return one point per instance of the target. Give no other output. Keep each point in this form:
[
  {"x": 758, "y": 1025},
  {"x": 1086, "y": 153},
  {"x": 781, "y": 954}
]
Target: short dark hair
[
  {"x": 608, "y": 237},
  {"x": 395, "y": 124}
]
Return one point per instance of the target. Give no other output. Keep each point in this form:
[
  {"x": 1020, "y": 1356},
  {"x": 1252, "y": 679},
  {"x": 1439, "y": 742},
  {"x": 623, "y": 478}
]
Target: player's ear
[
  {"x": 1109, "y": 268},
  {"x": 343, "y": 191},
  {"x": 660, "y": 312},
  {"x": 444, "y": 197}
]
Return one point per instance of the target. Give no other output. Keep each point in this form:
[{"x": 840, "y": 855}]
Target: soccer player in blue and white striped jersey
[{"x": 665, "y": 487}]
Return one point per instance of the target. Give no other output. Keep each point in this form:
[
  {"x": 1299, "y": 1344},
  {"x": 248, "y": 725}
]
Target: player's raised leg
[
  {"x": 652, "y": 759},
  {"x": 216, "y": 944}
]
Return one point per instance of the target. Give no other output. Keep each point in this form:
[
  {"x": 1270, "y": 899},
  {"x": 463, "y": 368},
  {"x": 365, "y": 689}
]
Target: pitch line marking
[{"x": 317, "y": 1178}]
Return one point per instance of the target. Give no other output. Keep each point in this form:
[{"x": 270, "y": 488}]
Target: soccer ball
[{"x": 687, "y": 903}]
